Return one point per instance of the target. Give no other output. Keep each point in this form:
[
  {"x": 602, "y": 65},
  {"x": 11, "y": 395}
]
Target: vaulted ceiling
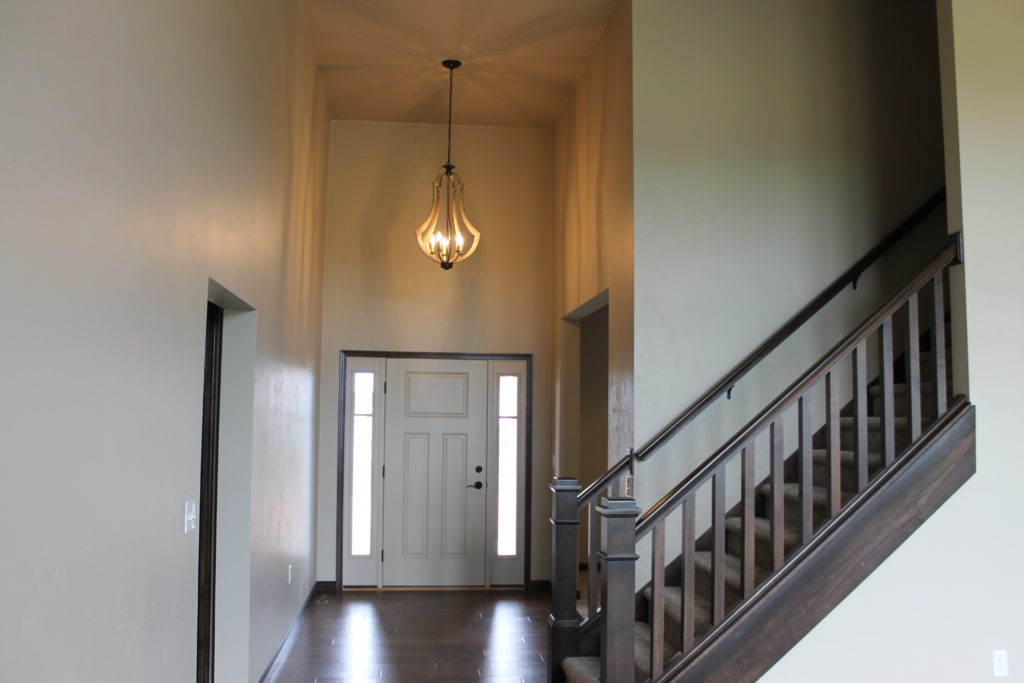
[{"x": 381, "y": 59}]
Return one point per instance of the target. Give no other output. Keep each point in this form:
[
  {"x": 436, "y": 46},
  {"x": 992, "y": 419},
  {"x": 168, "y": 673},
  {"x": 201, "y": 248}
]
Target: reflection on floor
[{"x": 414, "y": 636}]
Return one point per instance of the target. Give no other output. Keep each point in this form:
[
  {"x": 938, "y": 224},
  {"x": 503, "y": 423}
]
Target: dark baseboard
[
  {"x": 754, "y": 639},
  {"x": 319, "y": 588},
  {"x": 542, "y": 585}
]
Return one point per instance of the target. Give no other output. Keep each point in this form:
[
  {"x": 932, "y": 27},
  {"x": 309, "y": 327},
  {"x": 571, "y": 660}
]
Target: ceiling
[{"x": 380, "y": 60}]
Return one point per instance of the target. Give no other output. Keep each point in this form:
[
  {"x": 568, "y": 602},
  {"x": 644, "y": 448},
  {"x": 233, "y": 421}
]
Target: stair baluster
[
  {"x": 939, "y": 345},
  {"x": 886, "y": 381},
  {"x": 778, "y": 502},
  {"x": 806, "y": 464},
  {"x": 833, "y": 444},
  {"x": 748, "y": 520},
  {"x": 656, "y": 616}
]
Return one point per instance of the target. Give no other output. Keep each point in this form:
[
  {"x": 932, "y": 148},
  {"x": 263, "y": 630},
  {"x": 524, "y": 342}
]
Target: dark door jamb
[{"x": 208, "y": 491}]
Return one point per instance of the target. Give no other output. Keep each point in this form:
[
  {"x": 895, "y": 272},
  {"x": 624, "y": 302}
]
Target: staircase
[{"x": 876, "y": 443}]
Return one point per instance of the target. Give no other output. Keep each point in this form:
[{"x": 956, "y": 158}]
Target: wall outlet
[
  {"x": 1000, "y": 664},
  {"x": 191, "y": 515},
  {"x": 289, "y": 575}
]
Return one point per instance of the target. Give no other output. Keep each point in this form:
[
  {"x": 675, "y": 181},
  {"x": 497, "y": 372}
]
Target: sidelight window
[
  {"x": 508, "y": 450},
  {"x": 362, "y": 462}
]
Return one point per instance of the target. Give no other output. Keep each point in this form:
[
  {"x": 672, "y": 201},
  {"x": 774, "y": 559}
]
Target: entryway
[{"x": 434, "y": 454}]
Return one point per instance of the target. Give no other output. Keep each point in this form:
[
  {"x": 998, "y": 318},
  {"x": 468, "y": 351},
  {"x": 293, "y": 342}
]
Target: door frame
[
  {"x": 208, "y": 492},
  {"x": 527, "y": 516}
]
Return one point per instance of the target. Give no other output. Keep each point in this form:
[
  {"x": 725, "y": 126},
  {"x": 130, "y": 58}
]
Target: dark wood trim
[
  {"x": 852, "y": 274},
  {"x": 208, "y": 493},
  {"x": 540, "y": 585},
  {"x": 339, "y": 508},
  {"x": 787, "y": 606},
  {"x": 427, "y": 355},
  {"x": 527, "y": 475},
  {"x": 318, "y": 588}
]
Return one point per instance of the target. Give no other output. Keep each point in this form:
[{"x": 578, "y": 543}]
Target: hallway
[{"x": 418, "y": 635}]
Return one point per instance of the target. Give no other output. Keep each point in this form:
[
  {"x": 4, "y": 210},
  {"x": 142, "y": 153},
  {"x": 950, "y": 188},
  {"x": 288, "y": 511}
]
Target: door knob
[{"x": 475, "y": 485}]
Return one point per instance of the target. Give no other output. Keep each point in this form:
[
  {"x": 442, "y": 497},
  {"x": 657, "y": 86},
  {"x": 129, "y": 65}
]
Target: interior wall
[
  {"x": 383, "y": 294},
  {"x": 148, "y": 147},
  {"x": 950, "y": 595},
  {"x": 594, "y": 394},
  {"x": 593, "y": 400},
  {"x": 594, "y": 222},
  {"x": 774, "y": 144}
]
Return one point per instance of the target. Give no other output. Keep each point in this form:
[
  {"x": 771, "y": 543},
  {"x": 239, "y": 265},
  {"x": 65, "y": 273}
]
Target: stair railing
[
  {"x": 852, "y": 349},
  {"x": 565, "y": 626}
]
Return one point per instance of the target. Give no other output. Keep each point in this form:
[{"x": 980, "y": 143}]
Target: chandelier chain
[{"x": 451, "y": 79}]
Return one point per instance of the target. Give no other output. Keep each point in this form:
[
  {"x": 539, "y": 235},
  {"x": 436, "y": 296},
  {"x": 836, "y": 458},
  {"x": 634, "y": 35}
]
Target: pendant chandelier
[{"x": 447, "y": 236}]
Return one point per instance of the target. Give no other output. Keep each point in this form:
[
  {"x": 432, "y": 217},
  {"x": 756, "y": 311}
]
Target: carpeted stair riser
[
  {"x": 673, "y": 610},
  {"x": 762, "y": 538},
  {"x": 901, "y": 405},
  {"x": 792, "y": 507},
  {"x": 847, "y": 468},
  {"x": 848, "y": 436},
  {"x": 733, "y": 577},
  {"x": 642, "y": 651}
]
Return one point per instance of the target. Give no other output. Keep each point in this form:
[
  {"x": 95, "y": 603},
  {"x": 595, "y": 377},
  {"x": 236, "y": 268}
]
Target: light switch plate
[
  {"x": 1000, "y": 663},
  {"x": 190, "y": 515}
]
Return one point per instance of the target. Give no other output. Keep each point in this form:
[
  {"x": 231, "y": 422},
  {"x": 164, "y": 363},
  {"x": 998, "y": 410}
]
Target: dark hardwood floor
[{"x": 498, "y": 635}]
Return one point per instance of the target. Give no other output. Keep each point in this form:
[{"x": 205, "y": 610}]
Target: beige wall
[
  {"x": 382, "y": 294},
  {"x": 594, "y": 219},
  {"x": 146, "y": 148},
  {"x": 951, "y": 594},
  {"x": 772, "y": 148}
]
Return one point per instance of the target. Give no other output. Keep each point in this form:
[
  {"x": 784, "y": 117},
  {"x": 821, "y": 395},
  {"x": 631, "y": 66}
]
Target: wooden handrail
[
  {"x": 602, "y": 482},
  {"x": 851, "y": 275},
  {"x": 949, "y": 254}
]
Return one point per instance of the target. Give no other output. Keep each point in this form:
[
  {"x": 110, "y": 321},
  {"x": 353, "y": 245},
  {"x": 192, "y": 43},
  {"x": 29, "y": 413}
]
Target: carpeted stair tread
[
  {"x": 846, "y": 458},
  {"x": 673, "y": 596},
  {"x": 763, "y": 530},
  {"x": 642, "y": 650},
  {"x": 900, "y": 389},
  {"x": 791, "y": 492},
  {"x": 588, "y": 669},
  {"x": 874, "y": 423},
  {"x": 702, "y": 560},
  {"x": 582, "y": 669}
]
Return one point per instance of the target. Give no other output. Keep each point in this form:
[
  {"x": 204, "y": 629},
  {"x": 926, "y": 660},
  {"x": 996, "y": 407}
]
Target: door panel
[{"x": 435, "y": 437}]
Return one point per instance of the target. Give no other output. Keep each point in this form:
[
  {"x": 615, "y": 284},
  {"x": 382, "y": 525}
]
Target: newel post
[
  {"x": 618, "y": 553},
  {"x": 563, "y": 621}
]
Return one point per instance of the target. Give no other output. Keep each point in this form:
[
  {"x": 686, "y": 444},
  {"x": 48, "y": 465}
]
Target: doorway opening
[
  {"x": 226, "y": 489},
  {"x": 434, "y": 470}
]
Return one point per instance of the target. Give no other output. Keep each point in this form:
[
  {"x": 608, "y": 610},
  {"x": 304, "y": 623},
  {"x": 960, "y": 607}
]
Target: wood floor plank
[{"x": 418, "y": 635}]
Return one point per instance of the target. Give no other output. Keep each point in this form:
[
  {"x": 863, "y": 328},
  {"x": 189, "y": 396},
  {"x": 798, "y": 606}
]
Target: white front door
[{"x": 435, "y": 460}]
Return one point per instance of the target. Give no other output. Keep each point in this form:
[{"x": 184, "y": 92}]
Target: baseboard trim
[{"x": 540, "y": 585}]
